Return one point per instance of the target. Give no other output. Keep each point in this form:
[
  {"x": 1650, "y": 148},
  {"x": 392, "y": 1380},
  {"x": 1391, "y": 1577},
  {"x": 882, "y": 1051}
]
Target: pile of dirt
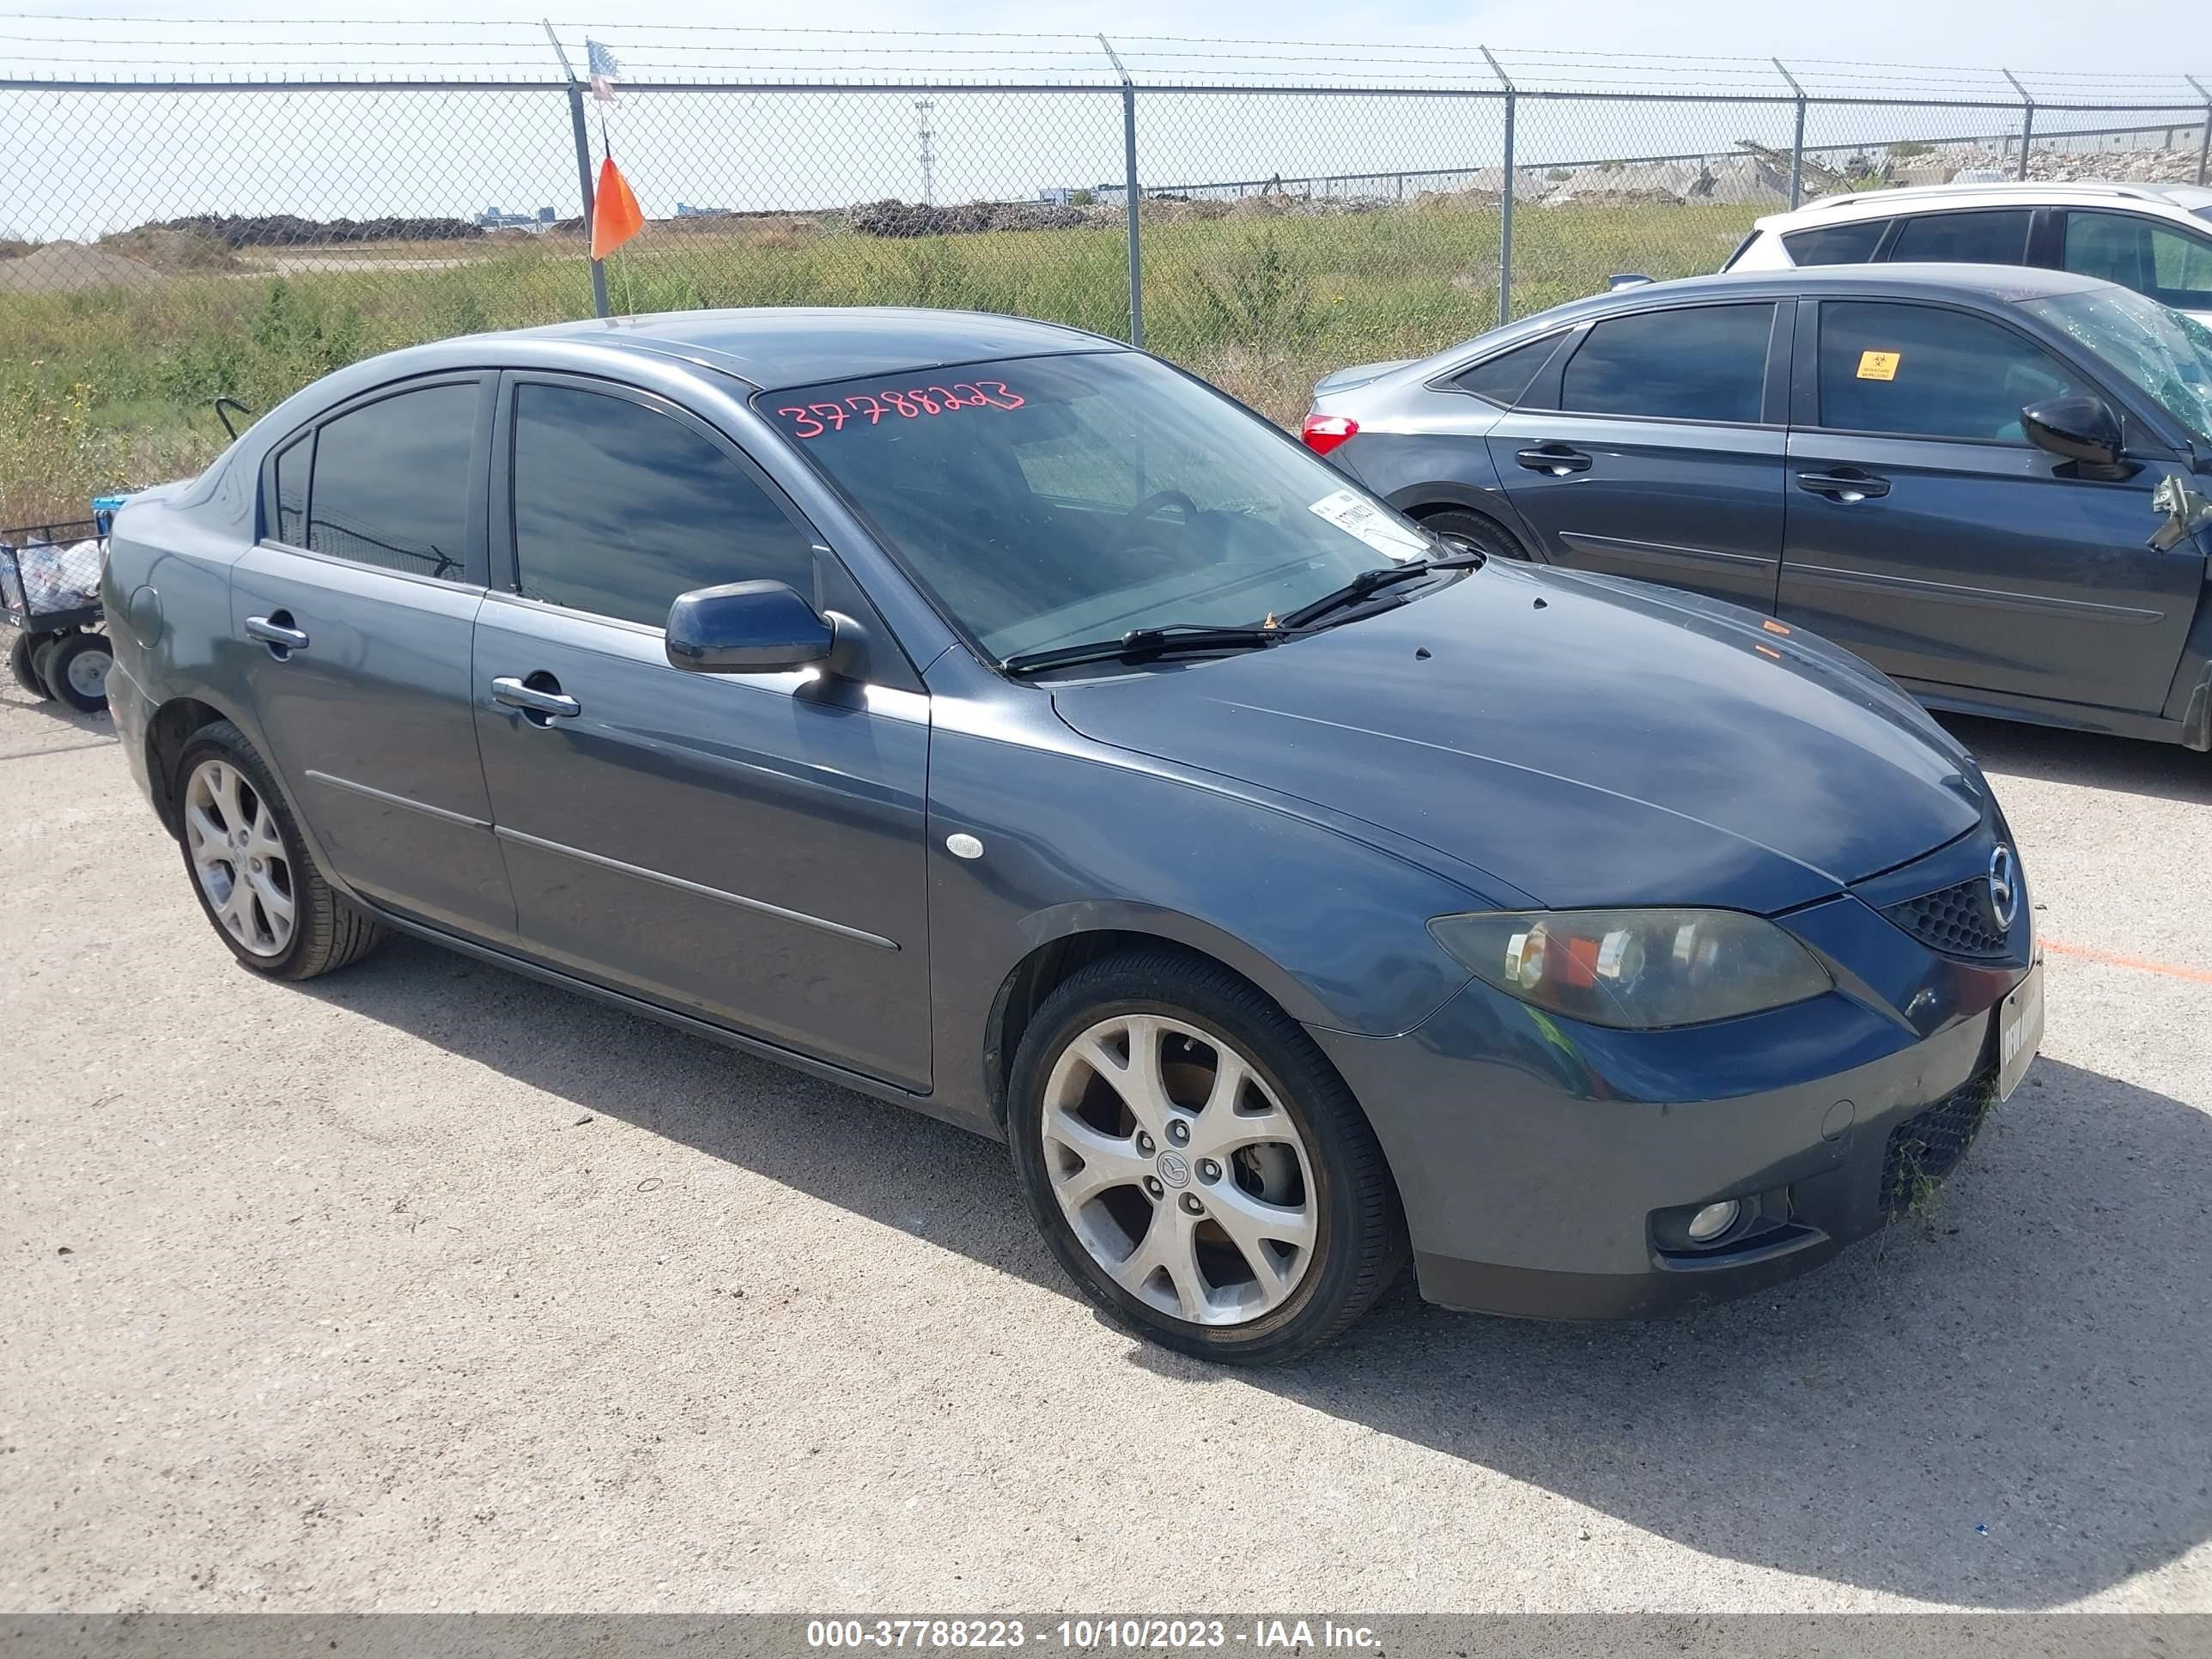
[
  {"x": 171, "y": 250},
  {"x": 890, "y": 217},
  {"x": 290, "y": 230},
  {"x": 67, "y": 267}
]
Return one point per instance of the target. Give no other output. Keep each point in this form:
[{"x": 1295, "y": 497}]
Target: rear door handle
[
  {"x": 1843, "y": 486},
  {"x": 553, "y": 704},
  {"x": 277, "y": 632},
  {"x": 1555, "y": 458}
]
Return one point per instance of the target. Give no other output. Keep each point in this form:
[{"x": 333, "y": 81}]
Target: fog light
[{"x": 1710, "y": 1222}]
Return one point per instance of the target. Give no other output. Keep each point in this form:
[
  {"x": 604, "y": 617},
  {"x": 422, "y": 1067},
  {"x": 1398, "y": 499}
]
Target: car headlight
[{"x": 1641, "y": 969}]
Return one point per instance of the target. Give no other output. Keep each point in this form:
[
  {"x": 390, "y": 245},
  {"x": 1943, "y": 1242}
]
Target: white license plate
[{"x": 2020, "y": 1031}]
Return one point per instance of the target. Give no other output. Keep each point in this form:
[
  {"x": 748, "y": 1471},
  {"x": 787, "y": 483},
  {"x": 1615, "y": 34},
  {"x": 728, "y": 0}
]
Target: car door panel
[
  {"x": 1676, "y": 503},
  {"x": 1980, "y": 562},
  {"x": 1980, "y": 567},
  {"x": 748, "y": 848},
  {"x": 1646, "y": 451},
  {"x": 360, "y": 672}
]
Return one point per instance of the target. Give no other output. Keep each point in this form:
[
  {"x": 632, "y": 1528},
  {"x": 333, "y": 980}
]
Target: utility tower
[{"x": 922, "y": 107}]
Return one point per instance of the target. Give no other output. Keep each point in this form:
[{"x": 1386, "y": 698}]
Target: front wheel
[{"x": 1196, "y": 1164}]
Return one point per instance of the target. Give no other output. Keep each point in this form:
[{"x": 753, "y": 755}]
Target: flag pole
[{"x": 600, "y": 305}]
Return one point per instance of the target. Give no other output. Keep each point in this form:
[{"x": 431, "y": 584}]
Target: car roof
[
  {"x": 1881, "y": 204},
  {"x": 797, "y": 345},
  {"x": 2002, "y": 282}
]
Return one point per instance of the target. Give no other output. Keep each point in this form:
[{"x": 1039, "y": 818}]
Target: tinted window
[
  {"x": 1929, "y": 372},
  {"x": 2173, "y": 266},
  {"x": 1998, "y": 238},
  {"x": 292, "y": 491},
  {"x": 1836, "y": 245},
  {"x": 1704, "y": 363},
  {"x": 1506, "y": 376},
  {"x": 392, "y": 482},
  {"x": 618, "y": 508}
]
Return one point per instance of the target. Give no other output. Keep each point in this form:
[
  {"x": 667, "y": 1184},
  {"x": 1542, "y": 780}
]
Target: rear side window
[
  {"x": 1836, "y": 245},
  {"x": 1697, "y": 363},
  {"x": 392, "y": 482},
  {"x": 618, "y": 508},
  {"x": 1919, "y": 371},
  {"x": 1992, "y": 237},
  {"x": 2173, "y": 266},
  {"x": 1503, "y": 379},
  {"x": 292, "y": 491}
]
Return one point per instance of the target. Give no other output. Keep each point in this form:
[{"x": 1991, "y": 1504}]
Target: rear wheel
[
  {"x": 1473, "y": 531},
  {"x": 75, "y": 669},
  {"x": 1196, "y": 1164},
  {"x": 22, "y": 663},
  {"x": 251, "y": 870}
]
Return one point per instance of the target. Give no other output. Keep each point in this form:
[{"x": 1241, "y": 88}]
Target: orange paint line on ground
[{"x": 2114, "y": 959}]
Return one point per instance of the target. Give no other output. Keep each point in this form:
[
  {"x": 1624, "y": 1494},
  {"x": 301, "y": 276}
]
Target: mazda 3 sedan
[
  {"x": 998, "y": 721},
  {"x": 1990, "y": 483}
]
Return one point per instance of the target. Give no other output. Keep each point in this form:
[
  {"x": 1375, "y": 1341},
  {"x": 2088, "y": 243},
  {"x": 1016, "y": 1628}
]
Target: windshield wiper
[
  {"x": 1369, "y": 582},
  {"x": 1139, "y": 642}
]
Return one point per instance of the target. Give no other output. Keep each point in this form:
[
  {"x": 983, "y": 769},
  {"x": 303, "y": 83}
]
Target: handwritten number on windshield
[{"x": 907, "y": 404}]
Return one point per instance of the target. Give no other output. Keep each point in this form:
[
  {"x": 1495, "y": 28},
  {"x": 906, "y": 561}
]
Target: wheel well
[
  {"x": 1042, "y": 972},
  {"x": 1431, "y": 509},
  {"x": 167, "y": 734}
]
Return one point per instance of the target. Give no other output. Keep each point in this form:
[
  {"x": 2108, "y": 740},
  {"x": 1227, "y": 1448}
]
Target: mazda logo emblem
[{"x": 2004, "y": 886}]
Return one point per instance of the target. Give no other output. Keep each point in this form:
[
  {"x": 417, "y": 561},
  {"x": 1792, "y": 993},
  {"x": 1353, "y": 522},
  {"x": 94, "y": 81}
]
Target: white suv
[{"x": 2155, "y": 239}]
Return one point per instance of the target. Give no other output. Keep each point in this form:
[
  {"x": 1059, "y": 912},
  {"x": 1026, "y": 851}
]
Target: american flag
[{"x": 600, "y": 64}]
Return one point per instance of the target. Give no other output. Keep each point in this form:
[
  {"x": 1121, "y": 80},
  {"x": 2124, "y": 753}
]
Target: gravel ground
[{"x": 425, "y": 1287}]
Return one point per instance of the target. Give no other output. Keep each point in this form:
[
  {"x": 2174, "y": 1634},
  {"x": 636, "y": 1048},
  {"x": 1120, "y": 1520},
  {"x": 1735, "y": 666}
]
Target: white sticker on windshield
[{"x": 1371, "y": 523}]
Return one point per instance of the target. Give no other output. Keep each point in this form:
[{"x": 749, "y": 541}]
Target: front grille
[
  {"x": 1958, "y": 920},
  {"x": 1926, "y": 1146}
]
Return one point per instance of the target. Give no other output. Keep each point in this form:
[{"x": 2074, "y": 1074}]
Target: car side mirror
[
  {"x": 2082, "y": 428},
  {"x": 747, "y": 628}
]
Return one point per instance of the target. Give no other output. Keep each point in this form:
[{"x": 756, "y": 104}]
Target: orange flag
[{"x": 615, "y": 215}]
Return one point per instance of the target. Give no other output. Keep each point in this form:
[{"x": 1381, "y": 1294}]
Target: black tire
[
  {"x": 1359, "y": 1226},
  {"x": 327, "y": 932},
  {"x": 1473, "y": 530},
  {"x": 22, "y": 663},
  {"x": 76, "y": 656}
]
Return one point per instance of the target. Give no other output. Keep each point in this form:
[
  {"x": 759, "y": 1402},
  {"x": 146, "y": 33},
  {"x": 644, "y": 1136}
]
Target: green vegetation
[{"x": 108, "y": 387}]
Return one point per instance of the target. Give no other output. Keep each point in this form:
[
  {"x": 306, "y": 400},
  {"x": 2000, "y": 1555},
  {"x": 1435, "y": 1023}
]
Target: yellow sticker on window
[{"x": 1879, "y": 365}]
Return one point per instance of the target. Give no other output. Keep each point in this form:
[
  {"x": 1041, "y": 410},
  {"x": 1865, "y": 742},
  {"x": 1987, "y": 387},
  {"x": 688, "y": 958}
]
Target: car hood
[{"x": 1584, "y": 741}]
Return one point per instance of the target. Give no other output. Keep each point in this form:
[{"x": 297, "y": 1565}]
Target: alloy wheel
[
  {"x": 1179, "y": 1170},
  {"x": 238, "y": 855}
]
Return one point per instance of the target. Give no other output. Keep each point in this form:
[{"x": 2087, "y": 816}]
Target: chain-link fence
[{"x": 170, "y": 242}]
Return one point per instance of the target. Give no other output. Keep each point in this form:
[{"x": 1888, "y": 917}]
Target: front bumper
[{"x": 1548, "y": 1177}]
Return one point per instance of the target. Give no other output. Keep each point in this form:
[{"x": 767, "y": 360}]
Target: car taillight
[{"x": 1323, "y": 433}]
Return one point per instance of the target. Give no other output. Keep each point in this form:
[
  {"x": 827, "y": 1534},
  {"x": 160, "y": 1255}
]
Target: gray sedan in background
[{"x": 1987, "y": 480}]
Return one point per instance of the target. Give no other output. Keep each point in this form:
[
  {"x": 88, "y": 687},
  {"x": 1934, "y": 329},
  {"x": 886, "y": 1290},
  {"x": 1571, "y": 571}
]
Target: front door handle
[
  {"x": 276, "y": 631},
  {"x": 544, "y": 702},
  {"x": 1557, "y": 459},
  {"x": 1852, "y": 486}
]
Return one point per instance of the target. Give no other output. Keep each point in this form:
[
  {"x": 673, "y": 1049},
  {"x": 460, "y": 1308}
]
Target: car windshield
[
  {"x": 1049, "y": 502},
  {"x": 2165, "y": 354}
]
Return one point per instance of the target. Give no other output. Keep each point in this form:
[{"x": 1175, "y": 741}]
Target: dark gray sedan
[
  {"x": 1988, "y": 480},
  {"x": 996, "y": 720}
]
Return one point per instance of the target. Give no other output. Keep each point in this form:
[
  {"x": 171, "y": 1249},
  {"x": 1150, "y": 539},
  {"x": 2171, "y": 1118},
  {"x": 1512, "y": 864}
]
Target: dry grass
[{"x": 108, "y": 388}]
